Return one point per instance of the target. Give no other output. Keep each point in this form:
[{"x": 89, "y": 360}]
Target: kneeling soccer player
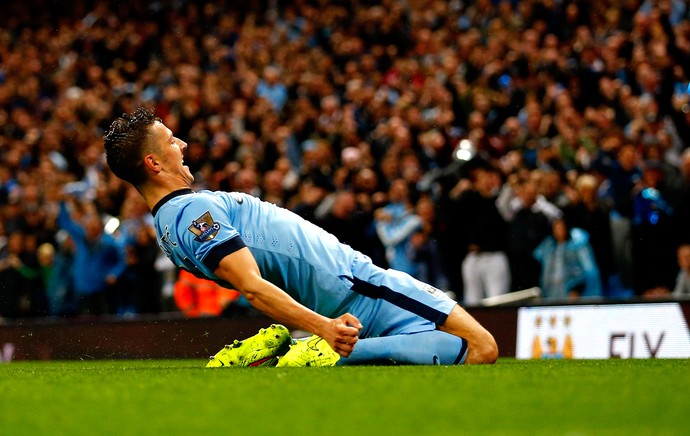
[{"x": 288, "y": 268}]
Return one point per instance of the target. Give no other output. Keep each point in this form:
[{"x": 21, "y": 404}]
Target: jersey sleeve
[{"x": 205, "y": 227}]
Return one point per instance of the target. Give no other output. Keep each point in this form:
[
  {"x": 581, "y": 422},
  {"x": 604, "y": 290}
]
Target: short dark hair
[{"x": 124, "y": 145}]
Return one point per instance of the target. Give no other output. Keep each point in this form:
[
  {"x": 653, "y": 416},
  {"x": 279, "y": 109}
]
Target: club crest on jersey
[
  {"x": 237, "y": 197},
  {"x": 204, "y": 227}
]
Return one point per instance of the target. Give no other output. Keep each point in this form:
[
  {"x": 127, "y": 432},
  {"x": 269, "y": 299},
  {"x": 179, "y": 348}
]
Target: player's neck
[{"x": 153, "y": 193}]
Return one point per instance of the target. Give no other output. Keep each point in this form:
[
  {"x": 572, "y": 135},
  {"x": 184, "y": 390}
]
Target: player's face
[{"x": 172, "y": 149}]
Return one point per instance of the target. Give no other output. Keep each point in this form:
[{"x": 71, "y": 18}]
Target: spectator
[
  {"x": 425, "y": 252},
  {"x": 682, "y": 287},
  {"x": 552, "y": 185},
  {"x": 395, "y": 224},
  {"x": 196, "y": 297},
  {"x": 138, "y": 289},
  {"x": 311, "y": 193},
  {"x": 98, "y": 262},
  {"x": 24, "y": 293},
  {"x": 652, "y": 242},
  {"x": 568, "y": 266},
  {"x": 9, "y": 275},
  {"x": 680, "y": 201},
  {"x": 587, "y": 212},
  {"x": 60, "y": 291},
  {"x": 45, "y": 255},
  {"x": 272, "y": 89},
  {"x": 272, "y": 189},
  {"x": 484, "y": 233},
  {"x": 618, "y": 163},
  {"x": 350, "y": 223},
  {"x": 529, "y": 216}
]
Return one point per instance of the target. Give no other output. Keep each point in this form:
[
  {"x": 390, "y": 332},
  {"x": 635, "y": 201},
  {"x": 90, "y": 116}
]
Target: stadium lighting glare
[
  {"x": 465, "y": 150},
  {"x": 111, "y": 225}
]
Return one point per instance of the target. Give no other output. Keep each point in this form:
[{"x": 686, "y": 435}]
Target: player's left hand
[{"x": 344, "y": 334}]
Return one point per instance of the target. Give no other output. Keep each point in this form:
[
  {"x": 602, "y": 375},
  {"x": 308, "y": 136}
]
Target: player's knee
[
  {"x": 484, "y": 351},
  {"x": 489, "y": 350}
]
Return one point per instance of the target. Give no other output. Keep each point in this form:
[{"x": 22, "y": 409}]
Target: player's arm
[{"x": 240, "y": 269}]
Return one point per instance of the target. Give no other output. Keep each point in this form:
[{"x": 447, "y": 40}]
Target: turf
[{"x": 181, "y": 397}]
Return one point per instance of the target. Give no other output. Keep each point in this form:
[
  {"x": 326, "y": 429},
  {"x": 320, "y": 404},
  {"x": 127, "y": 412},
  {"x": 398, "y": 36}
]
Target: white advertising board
[{"x": 601, "y": 332}]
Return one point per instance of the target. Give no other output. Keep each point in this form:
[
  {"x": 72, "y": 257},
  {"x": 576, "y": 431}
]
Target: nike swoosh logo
[{"x": 261, "y": 361}]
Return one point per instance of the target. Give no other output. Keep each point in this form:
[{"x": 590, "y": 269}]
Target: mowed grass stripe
[{"x": 181, "y": 397}]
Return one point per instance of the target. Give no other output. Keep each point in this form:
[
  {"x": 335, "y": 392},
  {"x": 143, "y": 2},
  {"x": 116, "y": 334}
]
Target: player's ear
[{"x": 152, "y": 162}]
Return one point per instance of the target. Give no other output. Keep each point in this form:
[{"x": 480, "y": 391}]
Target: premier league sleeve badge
[{"x": 204, "y": 228}]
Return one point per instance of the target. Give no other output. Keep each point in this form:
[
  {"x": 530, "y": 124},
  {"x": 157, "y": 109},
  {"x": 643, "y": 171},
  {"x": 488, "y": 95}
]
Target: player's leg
[
  {"x": 392, "y": 333},
  {"x": 403, "y": 291},
  {"x": 431, "y": 347},
  {"x": 424, "y": 301},
  {"x": 482, "y": 347}
]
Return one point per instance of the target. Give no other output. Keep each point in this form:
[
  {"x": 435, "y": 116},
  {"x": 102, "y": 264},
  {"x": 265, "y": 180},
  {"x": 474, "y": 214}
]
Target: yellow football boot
[
  {"x": 262, "y": 349},
  {"x": 312, "y": 351}
]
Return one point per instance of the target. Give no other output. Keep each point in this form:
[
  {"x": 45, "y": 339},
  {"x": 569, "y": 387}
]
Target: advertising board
[{"x": 652, "y": 330}]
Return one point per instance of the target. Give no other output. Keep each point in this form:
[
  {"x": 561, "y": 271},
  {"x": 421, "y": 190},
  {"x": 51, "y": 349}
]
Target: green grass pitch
[{"x": 181, "y": 397}]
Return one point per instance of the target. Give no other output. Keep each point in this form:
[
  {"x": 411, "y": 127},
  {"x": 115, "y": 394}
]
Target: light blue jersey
[{"x": 197, "y": 230}]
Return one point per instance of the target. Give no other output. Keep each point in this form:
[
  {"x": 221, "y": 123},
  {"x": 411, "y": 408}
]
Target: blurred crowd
[{"x": 482, "y": 146}]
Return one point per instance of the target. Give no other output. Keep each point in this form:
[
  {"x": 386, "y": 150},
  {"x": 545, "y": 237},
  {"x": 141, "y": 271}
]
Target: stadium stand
[{"x": 299, "y": 101}]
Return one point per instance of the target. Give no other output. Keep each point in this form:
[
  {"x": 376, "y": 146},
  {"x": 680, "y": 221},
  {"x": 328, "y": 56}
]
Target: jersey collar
[{"x": 169, "y": 197}]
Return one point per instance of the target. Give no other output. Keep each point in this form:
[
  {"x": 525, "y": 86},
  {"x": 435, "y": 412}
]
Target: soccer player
[{"x": 288, "y": 268}]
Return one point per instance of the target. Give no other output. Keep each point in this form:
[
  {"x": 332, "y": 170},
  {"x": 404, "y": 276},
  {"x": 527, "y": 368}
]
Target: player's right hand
[{"x": 344, "y": 334}]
